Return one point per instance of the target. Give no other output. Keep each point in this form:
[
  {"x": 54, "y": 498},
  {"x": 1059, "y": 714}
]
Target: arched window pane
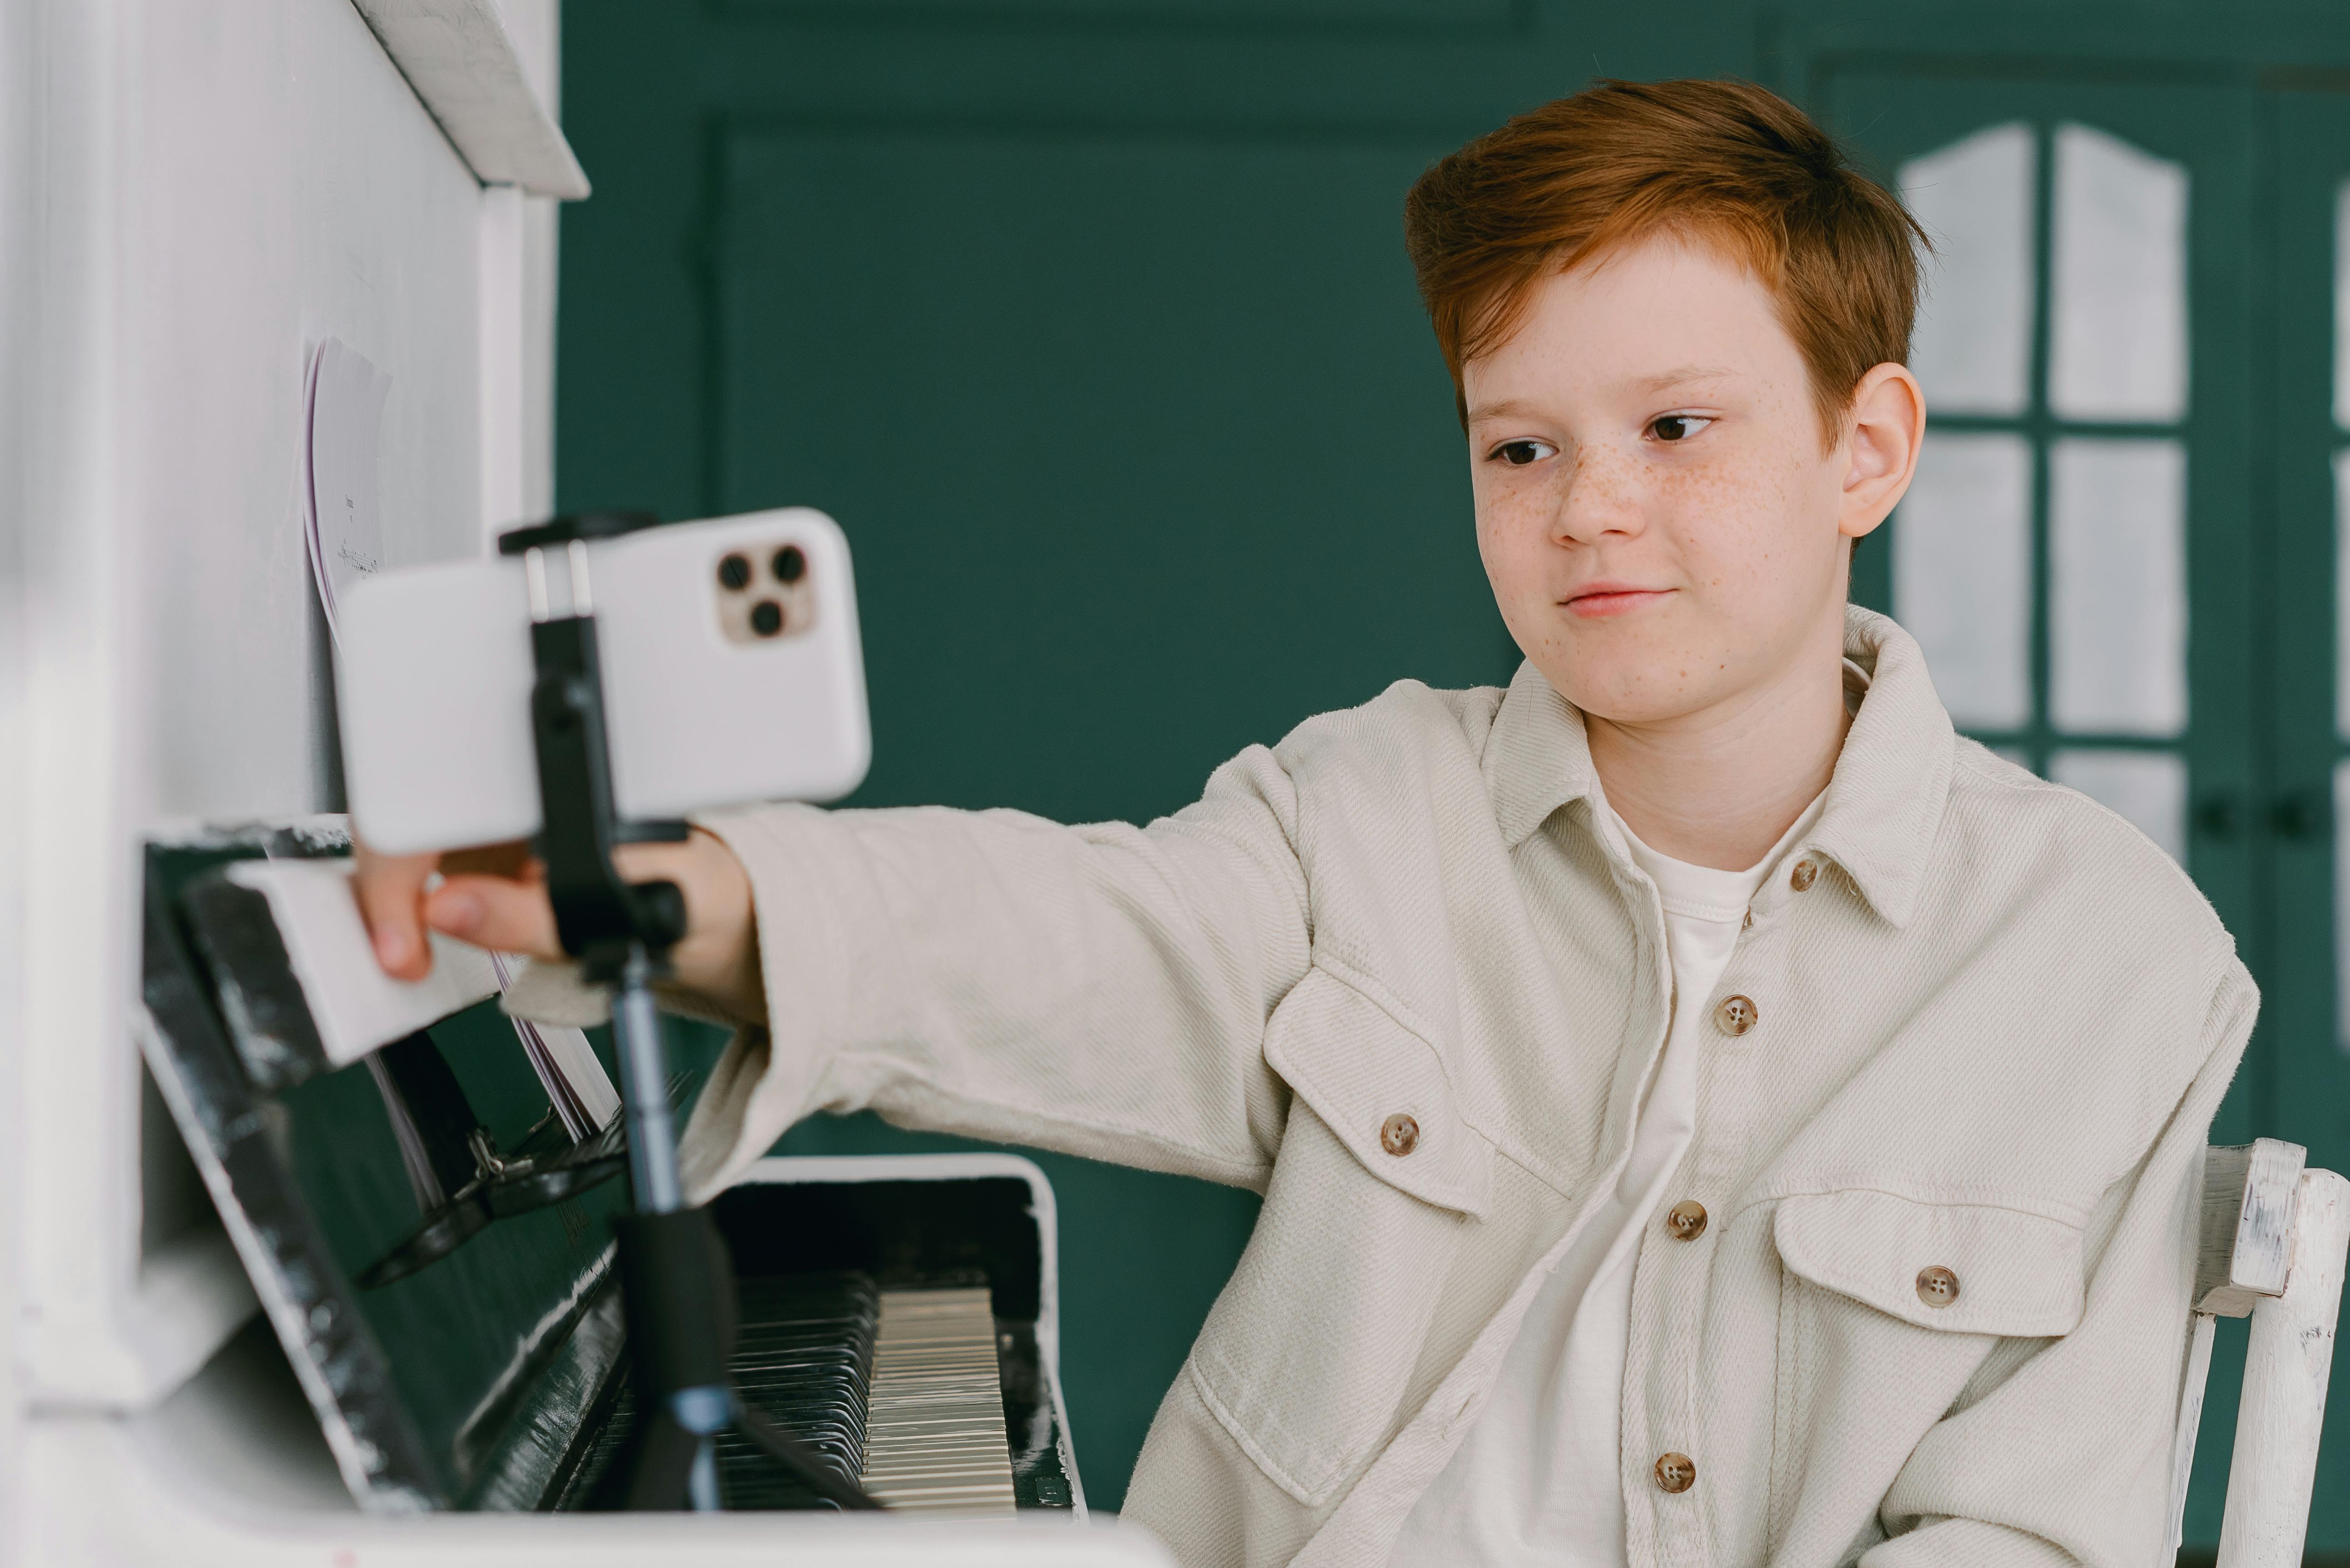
[
  {"x": 2342, "y": 306},
  {"x": 1972, "y": 351},
  {"x": 1975, "y": 323},
  {"x": 2341, "y": 594},
  {"x": 2117, "y": 346},
  {"x": 2117, "y": 585},
  {"x": 1962, "y": 574}
]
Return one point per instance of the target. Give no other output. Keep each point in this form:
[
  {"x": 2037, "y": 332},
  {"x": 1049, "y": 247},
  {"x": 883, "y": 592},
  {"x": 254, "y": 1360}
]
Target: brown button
[
  {"x": 1937, "y": 1286},
  {"x": 1685, "y": 1221},
  {"x": 1736, "y": 1016},
  {"x": 1398, "y": 1133},
  {"x": 1748, "y": 923},
  {"x": 1807, "y": 872},
  {"x": 1676, "y": 1473}
]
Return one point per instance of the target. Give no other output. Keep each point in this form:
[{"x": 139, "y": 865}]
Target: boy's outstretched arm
[{"x": 1099, "y": 990}]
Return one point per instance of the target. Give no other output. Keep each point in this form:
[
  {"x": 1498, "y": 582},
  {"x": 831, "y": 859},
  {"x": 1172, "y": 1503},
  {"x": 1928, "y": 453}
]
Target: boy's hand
[{"x": 497, "y": 898}]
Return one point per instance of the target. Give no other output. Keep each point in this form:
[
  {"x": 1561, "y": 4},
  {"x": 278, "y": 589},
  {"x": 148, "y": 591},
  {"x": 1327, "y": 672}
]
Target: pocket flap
[
  {"x": 1349, "y": 1059},
  {"x": 2008, "y": 1273}
]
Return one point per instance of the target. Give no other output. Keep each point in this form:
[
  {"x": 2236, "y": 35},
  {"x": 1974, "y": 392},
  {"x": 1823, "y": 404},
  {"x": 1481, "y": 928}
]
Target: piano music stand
[{"x": 675, "y": 1278}]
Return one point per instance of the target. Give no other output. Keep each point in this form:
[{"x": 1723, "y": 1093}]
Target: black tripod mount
[{"x": 675, "y": 1278}]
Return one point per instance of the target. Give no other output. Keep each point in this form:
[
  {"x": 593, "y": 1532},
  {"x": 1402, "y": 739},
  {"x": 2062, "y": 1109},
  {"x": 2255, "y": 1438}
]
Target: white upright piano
[{"x": 197, "y": 1228}]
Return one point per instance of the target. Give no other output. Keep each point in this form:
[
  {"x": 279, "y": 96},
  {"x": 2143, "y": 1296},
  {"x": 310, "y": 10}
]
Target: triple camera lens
[{"x": 789, "y": 565}]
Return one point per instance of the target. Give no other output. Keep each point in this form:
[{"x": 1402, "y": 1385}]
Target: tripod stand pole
[
  {"x": 644, "y": 1086},
  {"x": 653, "y": 1176},
  {"x": 679, "y": 1292},
  {"x": 677, "y": 1284}
]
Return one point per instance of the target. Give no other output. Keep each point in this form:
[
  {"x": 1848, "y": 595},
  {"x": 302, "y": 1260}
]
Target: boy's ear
[{"x": 1888, "y": 420}]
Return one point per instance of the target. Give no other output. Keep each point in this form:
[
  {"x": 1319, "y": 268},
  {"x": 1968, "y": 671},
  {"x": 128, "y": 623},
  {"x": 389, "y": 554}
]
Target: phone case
[
  {"x": 732, "y": 664},
  {"x": 706, "y": 708},
  {"x": 432, "y": 678}
]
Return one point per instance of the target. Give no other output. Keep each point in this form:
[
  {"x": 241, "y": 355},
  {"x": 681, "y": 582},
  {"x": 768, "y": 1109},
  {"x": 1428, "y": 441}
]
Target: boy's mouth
[{"x": 1599, "y": 601}]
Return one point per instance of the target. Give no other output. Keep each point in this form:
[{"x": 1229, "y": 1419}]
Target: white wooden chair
[{"x": 2273, "y": 1238}]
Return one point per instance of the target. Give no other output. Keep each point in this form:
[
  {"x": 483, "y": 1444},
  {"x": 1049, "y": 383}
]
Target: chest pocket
[
  {"x": 1876, "y": 1344},
  {"x": 1307, "y": 1357},
  {"x": 1381, "y": 1091},
  {"x": 1963, "y": 1268}
]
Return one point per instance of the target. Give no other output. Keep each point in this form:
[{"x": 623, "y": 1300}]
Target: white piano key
[{"x": 934, "y": 1439}]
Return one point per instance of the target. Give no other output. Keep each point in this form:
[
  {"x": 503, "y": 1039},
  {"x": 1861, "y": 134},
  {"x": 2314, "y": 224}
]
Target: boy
[{"x": 1706, "y": 1111}]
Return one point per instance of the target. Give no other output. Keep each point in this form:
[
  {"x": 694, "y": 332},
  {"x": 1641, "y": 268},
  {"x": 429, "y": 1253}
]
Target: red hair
[{"x": 1721, "y": 163}]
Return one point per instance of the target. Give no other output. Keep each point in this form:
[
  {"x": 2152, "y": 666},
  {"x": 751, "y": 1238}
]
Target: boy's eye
[
  {"x": 1678, "y": 426},
  {"x": 1519, "y": 453}
]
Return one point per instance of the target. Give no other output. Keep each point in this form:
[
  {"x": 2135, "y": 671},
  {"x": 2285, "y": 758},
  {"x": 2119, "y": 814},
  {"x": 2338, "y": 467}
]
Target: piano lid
[{"x": 431, "y": 1246}]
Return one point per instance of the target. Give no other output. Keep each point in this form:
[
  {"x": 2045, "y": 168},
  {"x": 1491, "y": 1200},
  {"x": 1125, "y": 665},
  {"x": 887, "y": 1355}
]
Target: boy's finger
[
  {"x": 496, "y": 912},
  {"x": 510, "y": 859},
  {"x": 654, "y": 862},
  {"x": 391, "y": 890}
]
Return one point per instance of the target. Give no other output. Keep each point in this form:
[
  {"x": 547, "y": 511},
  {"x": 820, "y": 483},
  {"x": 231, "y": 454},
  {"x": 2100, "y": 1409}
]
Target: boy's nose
[{"x": 1596, "y": 497}]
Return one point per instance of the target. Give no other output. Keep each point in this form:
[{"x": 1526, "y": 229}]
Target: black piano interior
[{"x": 428, "y": 1231}]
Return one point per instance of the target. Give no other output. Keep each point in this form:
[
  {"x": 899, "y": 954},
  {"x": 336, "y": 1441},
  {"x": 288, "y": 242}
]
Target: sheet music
[
  {"x": 577, "y": 1084},
  {"x": 342, "y": 520}
]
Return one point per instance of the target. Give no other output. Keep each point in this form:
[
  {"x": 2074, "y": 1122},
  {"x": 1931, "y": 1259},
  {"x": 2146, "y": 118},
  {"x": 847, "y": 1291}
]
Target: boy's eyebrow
[
  {"x": 1507, "y": 409},
  {"x": 1678, "y": 376},
  {"x": 1682, "y": 375}
]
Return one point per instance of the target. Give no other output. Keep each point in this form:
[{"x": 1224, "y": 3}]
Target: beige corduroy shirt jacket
[{"x": 1989, "y": 1036}]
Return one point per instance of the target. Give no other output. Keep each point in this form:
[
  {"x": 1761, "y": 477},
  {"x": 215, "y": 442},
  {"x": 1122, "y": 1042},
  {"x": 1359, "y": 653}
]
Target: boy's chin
[
  {"x": 1630, "y": 697},
  {"x": 1638, "y": 714}
]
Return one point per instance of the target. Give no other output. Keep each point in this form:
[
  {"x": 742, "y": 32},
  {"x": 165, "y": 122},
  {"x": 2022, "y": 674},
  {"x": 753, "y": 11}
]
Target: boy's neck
[{"x": 1720, "y": 787}]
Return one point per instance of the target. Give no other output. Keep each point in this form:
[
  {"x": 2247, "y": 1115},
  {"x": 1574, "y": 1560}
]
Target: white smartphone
[{"x": 733, "y": 673}]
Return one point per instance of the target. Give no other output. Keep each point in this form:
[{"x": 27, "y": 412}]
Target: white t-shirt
[{"x": 1537, "y": 1479}]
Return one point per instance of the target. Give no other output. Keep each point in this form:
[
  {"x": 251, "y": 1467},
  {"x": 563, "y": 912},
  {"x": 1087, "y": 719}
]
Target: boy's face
[{"x": 1662, "y": 528}]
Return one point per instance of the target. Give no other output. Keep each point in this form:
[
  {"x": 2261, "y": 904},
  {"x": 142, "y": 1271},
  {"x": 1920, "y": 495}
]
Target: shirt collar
[
  {"x": 1884, "y": 804},
  {"x": 1537, "y": 758}
]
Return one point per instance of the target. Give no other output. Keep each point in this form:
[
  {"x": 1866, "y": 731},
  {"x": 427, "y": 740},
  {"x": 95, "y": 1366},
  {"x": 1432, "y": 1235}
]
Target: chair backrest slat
[
  {"x": 2287, "y": 1363},
  {"x": 2244, "y": 1252},
  {"x": 2243, "y": 1260}
]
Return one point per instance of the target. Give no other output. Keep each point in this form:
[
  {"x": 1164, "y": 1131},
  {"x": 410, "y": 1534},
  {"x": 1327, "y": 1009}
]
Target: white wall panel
[
  {"x": 194, "y": 196},
  {"x": 289, "y": 186}
]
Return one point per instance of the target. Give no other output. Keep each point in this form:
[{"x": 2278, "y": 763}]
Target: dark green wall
[{"x": 1089, "y": 320}]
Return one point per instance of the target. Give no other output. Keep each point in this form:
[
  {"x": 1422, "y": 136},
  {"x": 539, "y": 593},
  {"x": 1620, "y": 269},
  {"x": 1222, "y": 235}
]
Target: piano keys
[
  {"x": 934, "y": 1437},
  {"x": 899, "y": 1390}
]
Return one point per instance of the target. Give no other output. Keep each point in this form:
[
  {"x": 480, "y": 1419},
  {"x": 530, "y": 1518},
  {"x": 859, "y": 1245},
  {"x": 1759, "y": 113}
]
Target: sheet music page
[
  {"x": 342, "y": 523},
  {"x": 577, "y": 1084}
]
